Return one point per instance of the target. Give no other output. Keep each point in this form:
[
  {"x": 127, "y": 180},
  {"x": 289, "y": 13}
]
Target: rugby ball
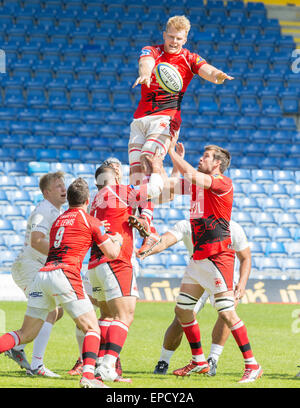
[{"x": 168, "y": 77}]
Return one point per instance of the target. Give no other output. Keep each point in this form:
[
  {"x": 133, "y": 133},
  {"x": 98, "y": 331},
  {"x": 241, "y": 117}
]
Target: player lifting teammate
[{"x": 157, "y": 118}]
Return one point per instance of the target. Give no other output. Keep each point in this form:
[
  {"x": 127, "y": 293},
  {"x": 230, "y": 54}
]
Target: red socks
[
  {"x": 9, "y": 341},
  {"x": 90, "y": 350},
  {"x": 239, "y": 332},
  {"x": 192, "y": 332}
]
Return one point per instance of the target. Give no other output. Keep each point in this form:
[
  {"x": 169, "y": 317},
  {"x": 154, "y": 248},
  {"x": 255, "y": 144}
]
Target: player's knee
[
  {"x": 185, "y": 301},
  {"x": 134, "y": 156},
  {"x": 224, "y": 304}
]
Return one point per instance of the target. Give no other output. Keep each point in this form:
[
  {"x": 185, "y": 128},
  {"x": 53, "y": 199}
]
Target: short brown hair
[
  {"x": 179, "y": 23},
  {"x": 101, "y": 179},
  {"x": 78, "y": 192},
  {"x": 47, "y": 179},
  {"x": 220, "y": 154}
]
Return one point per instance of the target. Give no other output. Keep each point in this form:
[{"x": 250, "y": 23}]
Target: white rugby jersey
[
  {"x": 41, "y": 219},
  {"x": 182, "y": 231}
]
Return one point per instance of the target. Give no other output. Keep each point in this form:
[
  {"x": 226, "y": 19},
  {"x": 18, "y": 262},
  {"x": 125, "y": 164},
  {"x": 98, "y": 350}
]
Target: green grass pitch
[{"x": 272, "y": 329}]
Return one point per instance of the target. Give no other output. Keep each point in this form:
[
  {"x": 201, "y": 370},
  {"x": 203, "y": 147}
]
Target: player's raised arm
[
  {"x": 189, "y": 173},
  {"x": 167, "y": 240},
  {"x": 212, "y": 74},
  {"x": 146, "y": 65}
]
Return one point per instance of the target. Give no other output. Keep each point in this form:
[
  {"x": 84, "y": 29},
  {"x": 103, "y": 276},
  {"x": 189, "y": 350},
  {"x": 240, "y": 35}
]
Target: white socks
[
  {"x": 166, "y": 355},
  {"x": 79, "y": 337},
  {"x": 40, "y": 344},
  {"x": 215, "y": 351}
]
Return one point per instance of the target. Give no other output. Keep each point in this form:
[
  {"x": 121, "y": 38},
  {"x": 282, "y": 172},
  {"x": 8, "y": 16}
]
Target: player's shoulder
[
  {"x": 236, "y": 229},
  {"x": 45, "y": 208}
]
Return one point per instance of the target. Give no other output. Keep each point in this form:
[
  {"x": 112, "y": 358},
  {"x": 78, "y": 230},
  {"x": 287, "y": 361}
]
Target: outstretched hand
[
  {"x": 142, "y": 80},
  {"x": 221, "y": 76}
]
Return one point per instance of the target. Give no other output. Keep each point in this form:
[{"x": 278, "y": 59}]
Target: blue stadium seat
[
  {"x": 20, "y": 197},
  {"x": 79, "y": 143},
  {"x": 293, "y": 249},
  {"x": 7, "y": 258},
  {"x": 275, "y": 248},
  {"x": 12, "y": 141},
  {"x": 254, "y": 190},
  {"x": 277, "y": 190},
  {"x": 6, "y": 226},
  {"x": 287, "y": 220},
  {"x": 48, "y": 155},
  {"x": 293, "y": 190},
  {"x": 12, "y": 212},
  {"x": 255, "y": 149},
  {"x": 67, "y": 168},
  {"x": 84, "y": 169},
  {"x": 38, "y": 168},
  {"x": 290, "y": 163},
  {"x": 28, "y": 183},
  {"x": 290, "y": 105},
  {"x": 276, "y": 150},
  {"x": 69, "y": 156},
  {"x": 248, "y": 204},
  {"x": 265, "y": 219},
  {"x": 260, "y": 234},
  {"x": 271, "y": 204},
  {"x": 156, "y": 261},
  {"x": 292, "y": 205},
  {"x": 262, "y": 176},
  {"x": 176, "y": 261},
  {"x": 284, "y": 177},
  {"x": 58, "y": 142},
  {"x": 240, "y": 175},
  {"x": 4, "y": 199},
  {"x": 244, "y": 218},
  {"x": 287, "y": 123},
  {"x": 256, "y": 248},
  {"x": 281, "y": 234}
]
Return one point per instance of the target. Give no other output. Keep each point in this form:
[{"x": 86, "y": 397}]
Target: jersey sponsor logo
[
  {"x": 199, "y": 59},
  {"x": 35, "y": 294},
  {"x": 145, "y": 52}
]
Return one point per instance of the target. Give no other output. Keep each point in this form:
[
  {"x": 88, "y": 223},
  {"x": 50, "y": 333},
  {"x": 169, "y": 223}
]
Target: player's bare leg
[
  {"x": 40, "y": 343},
  {"x": 172, "y": 340},
  {"x": 224, "y": 303},
  {"x": 220, "y": 334},
  {"x": 186, "y": 302}
]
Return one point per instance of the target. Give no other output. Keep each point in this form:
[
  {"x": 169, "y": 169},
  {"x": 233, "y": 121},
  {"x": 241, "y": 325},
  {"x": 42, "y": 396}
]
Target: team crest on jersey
[
  {"x": 218, "y": 282},
  {"x": 217, "y": 176}
]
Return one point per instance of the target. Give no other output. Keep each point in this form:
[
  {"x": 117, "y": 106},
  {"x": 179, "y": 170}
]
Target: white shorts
[
  {"x": 205, "y": 273},
  {"x": 53, "y": 288},
  {"x": 142, "y": 128},
  {"x": 113, "y": 280},
  {"x": 23, "y": 273}
]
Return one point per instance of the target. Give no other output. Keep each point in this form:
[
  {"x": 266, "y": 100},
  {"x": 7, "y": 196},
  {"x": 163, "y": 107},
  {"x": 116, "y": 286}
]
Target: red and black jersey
[
  {"x": 114, "y": 203},
  {"x": 210, "y": 216},
  {"x": 155, "y": 100},
  {"x": 71, "y": 236}
]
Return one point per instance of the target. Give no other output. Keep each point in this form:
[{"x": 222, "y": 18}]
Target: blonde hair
[
  {"x": 179, "y": 23},
  {"x": 46, "y": 180}
]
